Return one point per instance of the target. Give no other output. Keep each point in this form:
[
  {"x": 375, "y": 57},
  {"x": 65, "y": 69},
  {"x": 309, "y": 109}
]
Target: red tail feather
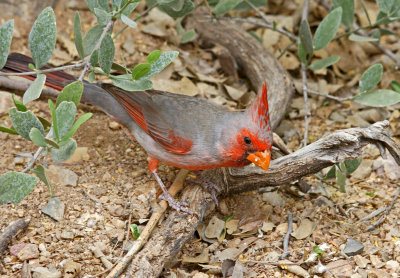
[{"x": 19, "y": 63}]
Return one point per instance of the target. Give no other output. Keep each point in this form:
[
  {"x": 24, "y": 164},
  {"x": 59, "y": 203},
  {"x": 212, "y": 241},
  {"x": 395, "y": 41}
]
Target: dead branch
[
  {"x": 256, "y": 62},
  {"x": 179, "y": 228},
  {"x": 10, "y": 231}
]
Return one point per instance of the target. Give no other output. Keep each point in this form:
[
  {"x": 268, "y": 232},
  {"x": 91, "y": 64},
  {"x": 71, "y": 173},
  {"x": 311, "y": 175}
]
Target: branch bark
[{"x": 256, "y": 62}]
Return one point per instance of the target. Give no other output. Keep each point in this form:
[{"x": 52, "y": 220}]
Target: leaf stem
[{"x": 79, "y": 65}]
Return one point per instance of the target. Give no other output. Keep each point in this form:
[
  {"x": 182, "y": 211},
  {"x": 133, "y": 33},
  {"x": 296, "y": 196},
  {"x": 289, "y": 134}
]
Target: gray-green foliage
[
  {"x": 58, "y": 142},
  {"x": 35, "y": 89},
  {"x": 15, "y": 186},
  {"x": 342, "y": 170},
  {"x": 23, "y": 122},
  {"x": 106, "y": 54},
  {"x": 42, "y": 38},
  {"x": 6, "y": 31},
  {"x": 327, "y": 29},
  {"x": 66, "y": 150}
]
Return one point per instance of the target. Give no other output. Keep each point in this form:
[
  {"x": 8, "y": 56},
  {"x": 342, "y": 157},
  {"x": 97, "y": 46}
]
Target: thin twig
[
  {"x": 304, "y": 16},
  {"x": 37, "y": 154},
  {"x": 287, "y": 237},
  {"x": 79, "y": 65},
  {"x": 262, "y": 23},
  {"x": 145, "y": 234},
  {"x": 360, "y": 31},
  {"x": 388, "y": 209},
  {"x": 145, "y": 12},
  {"x": 340, "y": 99},
  {"x": 270, "y": 263}
]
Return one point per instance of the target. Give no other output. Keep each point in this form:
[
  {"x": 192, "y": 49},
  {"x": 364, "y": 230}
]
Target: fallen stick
[
  {"x": 145, "y": 234},
  {"x": 10, "y": 231}
]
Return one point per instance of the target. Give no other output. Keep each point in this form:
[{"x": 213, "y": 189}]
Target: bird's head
[{"x": 252, "y": 138}]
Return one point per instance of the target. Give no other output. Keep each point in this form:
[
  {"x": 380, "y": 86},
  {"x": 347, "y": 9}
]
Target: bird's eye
[{"x": 247, "y": 140}]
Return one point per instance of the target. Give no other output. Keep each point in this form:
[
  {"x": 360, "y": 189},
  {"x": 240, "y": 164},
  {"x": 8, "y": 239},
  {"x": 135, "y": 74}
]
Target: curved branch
[{"x": 178, "y": 228}]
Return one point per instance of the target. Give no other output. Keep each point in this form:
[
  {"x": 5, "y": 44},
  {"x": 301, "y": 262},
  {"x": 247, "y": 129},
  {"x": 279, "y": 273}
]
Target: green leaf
[
  {"x": 318, "y": 251},
  {"x": 352, "y": 165},
  {"x": 78, "y": 36},
  {"x": 54, "y": 119},
  {"x": 306, "y": 37},
  {"x": 384, "y": 5},
  {"x": 357, "y": 38},
  {"x": 153, "y": 56},
  {"x": 224, "y": 6},
  {"x": 20, "y": 106},
  {"x": 71, "y": 92},
  {"x": 243, "y": 6},
  {"x": 348, "y": 11},
  {"x": 378, "y": 98},
  {"x": 51, "y": 143},
  {"x": 106, "y": 53},
  {"x": 371, "y": 77},
  {"x": 41, "y": 173},
  {"x": 140, "y": 70},
  {"x": 91, "y": 4},
  {"x": 323, "y": 63},
  {"x": 15, "y": 186},
  {"x": 188, "y": 6},
  {"x": 91, "y": 37},
  {"x": 35, "y": 89},
  {"x": 42, "y": 38},
  {"x": 91, "y": 76},
  {"x": 165, "y": 59},
  {"x": 130, "y": 8},
  {"x": 6, "y": 32},
  {"x": 76, "y": 125},
  {"x": 327, "y": 29},
  {"x": 188, "y": 36},
  {"x": 395, "y": 85},
  {"x": 302, "y": 54},
  {"x": 331, "y": 173},
  {"x": 94, "y": 58},
  {"x": 135, "y": 231},
  {"x": 341, "y": 177},
  {"x": 66, "y": 150},
  {"x": 103, "y": 4},
  {"x": 46, "y": 124},
  {"x": 23, "y": 122},
  {"x": 130, "y": 85},
  {"x": 103, "y": 17},
  {"x": 37, "y": 137},
  {"x": 128, "y": 21},
  {"x": 65, "y": 115},
  {"x": 8, "y": 130}
]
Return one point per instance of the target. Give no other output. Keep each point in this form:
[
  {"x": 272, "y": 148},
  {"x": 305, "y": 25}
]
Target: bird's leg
[
  {"x": 176, "y": 205},
  {"x": 207, "y": 185}
]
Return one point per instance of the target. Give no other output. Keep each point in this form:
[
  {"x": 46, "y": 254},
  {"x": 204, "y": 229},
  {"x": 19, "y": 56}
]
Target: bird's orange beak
[{"x": 261, "y": 159}]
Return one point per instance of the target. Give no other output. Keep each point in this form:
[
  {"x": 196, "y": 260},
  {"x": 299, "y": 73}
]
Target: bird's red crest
[{"x": 259, "y": 109}]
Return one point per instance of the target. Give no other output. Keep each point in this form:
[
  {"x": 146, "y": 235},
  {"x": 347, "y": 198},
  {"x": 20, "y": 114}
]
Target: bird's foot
[
  {"x": 207, "y": 185},
  {"x": 176, "y": 205}
]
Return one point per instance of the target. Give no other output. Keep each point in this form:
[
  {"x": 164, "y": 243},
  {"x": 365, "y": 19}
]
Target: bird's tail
[
  {"x": 92, "y": 93},
  {"x": 18, "y": 63}
]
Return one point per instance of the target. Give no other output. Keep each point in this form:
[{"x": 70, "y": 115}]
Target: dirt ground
[{"x": 114, "y": 189}]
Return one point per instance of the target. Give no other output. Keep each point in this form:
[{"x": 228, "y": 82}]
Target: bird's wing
[{"x": 156, "y": 118}]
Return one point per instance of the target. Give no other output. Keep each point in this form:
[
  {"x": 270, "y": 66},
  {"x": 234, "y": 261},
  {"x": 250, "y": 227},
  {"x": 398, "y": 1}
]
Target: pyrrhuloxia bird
[{"x": 182, "y": 131}]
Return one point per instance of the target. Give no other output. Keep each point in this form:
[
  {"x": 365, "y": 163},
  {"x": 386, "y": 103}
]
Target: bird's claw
[
  {"x": 208, "y": 185},
  {"x": 176, "y": 205}
]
